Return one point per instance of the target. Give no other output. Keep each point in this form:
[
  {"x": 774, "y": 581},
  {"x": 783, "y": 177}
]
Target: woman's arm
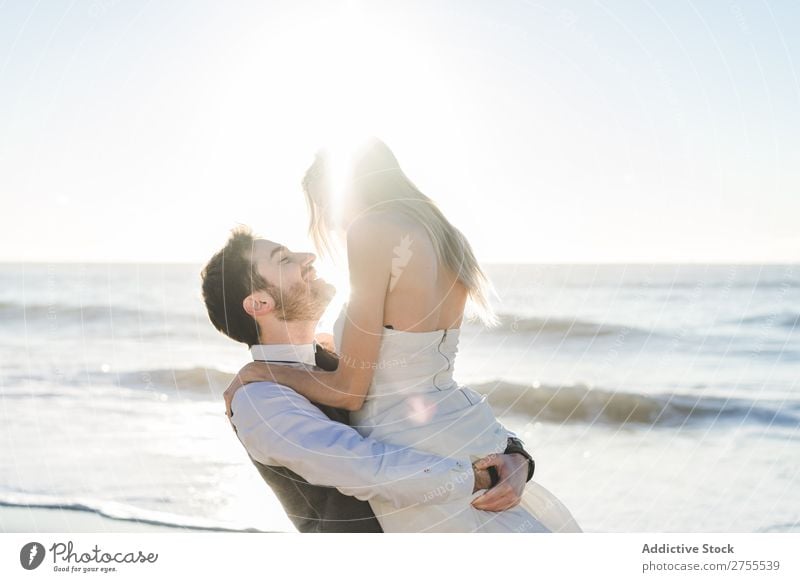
[{"x": 369, "y": 257}]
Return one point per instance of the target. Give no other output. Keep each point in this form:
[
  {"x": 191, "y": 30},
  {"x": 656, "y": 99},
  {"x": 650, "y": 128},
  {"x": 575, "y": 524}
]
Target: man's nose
[{"x": 307, "y": 258}]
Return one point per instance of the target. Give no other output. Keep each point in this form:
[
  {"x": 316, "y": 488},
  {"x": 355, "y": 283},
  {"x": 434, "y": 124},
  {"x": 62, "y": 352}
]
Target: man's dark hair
[{"x": 228, "y": 278}]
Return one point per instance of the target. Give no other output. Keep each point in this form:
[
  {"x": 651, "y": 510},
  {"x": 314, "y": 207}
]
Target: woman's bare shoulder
[
  {"x": 376, "y": 227},
  {"x": 387, "y": 226}
]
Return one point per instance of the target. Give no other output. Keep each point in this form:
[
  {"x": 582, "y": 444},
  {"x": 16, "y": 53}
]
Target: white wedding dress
[{"x": 414, "y": 401}]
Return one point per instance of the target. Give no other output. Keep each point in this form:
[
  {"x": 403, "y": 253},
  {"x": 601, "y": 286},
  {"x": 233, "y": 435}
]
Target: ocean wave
[
  {"x": 583, "y": 404},
  {"x": 12, "y": 312},
  {"x": 510, "y": 323},
  {"x": 117, "y": 511},
  {"x": 746, "y": 284},
  {"x": 546, "y": 403},
  {"x": 788, "y": 320},
  {"x": 197, "y": 379},
  {"x": 772, "y": 355}
]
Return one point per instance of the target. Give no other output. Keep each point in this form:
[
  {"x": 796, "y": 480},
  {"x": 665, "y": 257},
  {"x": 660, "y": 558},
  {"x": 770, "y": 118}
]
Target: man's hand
[
  {"x": 482, "y": 479},
  {"x": 513, "y": 472}
]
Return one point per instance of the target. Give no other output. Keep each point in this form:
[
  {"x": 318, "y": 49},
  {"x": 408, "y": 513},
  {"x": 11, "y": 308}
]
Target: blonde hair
[{"x": 378, "y": 182}]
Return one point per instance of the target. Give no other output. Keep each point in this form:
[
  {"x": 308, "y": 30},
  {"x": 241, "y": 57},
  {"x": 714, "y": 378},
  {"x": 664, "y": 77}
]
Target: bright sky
[{"x": 548, "y": 131}]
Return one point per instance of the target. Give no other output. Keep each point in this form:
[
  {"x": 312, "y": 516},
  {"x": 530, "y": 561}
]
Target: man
[{"x": 322, "y": 470}]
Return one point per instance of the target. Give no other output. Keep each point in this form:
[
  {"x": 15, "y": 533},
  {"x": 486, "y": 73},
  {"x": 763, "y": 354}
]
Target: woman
[{"x": 411, "y": 275}]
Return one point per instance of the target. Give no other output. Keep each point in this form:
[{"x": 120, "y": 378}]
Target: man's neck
[{"x": 275, "y": 332}]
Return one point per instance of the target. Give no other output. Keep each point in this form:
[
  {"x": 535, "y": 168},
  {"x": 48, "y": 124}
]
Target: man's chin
[
  {"x": 318, "y": 295},
  {"x": 323, "y": 290}
]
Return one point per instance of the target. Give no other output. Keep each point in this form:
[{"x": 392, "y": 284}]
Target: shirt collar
[{"x": 285, "y": 353}]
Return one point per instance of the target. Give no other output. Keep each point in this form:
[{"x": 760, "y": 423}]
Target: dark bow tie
[{"x": 325, "y": 359}]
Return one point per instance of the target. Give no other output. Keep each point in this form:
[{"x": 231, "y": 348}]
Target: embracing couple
[{"x": 371, "y": 433}]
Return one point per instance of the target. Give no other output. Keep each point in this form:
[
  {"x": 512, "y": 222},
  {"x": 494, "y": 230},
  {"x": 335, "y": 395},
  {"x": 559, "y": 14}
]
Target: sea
[{"x": 653, "y": 397}]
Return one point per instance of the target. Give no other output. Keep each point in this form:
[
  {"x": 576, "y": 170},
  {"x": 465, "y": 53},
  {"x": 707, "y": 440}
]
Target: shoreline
[{"x": 55, "y": 520}]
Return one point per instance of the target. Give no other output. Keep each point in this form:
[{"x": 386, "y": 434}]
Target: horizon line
[{"x": 796, "y": 262}]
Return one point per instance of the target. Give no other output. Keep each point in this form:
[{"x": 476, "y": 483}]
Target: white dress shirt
[{"x": 279, "y": 427}]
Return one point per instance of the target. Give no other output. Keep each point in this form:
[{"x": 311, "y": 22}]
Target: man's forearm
[{"x": 279, "y": 427}]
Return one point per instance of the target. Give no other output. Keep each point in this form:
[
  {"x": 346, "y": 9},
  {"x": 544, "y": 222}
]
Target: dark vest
[{"x": 314, "y": 508}]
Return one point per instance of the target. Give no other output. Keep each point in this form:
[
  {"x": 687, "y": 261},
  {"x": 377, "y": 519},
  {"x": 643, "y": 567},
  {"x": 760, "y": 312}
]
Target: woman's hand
[{"x": 252, "y": 372}]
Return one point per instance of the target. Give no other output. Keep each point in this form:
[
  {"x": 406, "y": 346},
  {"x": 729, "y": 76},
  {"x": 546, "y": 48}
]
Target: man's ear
[{"x": 258, "y": 304}]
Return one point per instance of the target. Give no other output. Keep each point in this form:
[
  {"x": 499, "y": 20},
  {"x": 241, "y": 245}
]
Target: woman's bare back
[{"x": 423, "y": 295}]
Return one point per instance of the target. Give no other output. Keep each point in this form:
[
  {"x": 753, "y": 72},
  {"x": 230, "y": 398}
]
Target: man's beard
[{"x": 301, "y": 301}]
